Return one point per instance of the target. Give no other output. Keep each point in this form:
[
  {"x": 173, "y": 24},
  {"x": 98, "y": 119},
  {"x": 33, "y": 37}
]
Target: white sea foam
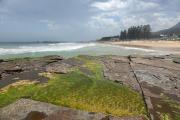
[
  {"x": 140, "y": 49},
  {"x": 60, "y": 47},
  {"x": 45, "y": 48}
]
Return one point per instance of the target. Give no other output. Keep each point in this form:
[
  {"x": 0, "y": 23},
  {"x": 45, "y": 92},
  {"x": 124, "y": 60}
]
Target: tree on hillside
[
  {"x": 123, "y": 35},
  {"x": 136, "y": 32},
  {"x": 147, "y": 31}
]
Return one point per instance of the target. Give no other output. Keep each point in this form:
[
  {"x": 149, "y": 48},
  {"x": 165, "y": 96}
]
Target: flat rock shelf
[{"x": 90, "y": 88}]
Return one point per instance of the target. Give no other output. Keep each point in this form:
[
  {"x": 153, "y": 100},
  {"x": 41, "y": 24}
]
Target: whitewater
[
  {"x": 11, "y": 50},
  {"x": 32, "y": 48}
]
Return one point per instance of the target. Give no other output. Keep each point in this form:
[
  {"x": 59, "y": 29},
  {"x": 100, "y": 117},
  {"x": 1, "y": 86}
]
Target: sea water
[{"x": 16, "y": 50}]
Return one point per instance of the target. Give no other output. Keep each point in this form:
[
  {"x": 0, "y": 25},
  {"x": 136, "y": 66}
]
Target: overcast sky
[{"x": 81, "y": 20}]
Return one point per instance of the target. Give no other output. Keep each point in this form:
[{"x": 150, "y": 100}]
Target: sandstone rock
[
  {"x": 35, "y": 115},
  {"x": 60, "y": 68},
  {"x": 154, "y": 75},
  {"x": 159, "y": 63},
  {"x": 176, "y": 61},
  {"x": 71, "y": 114},
  {"x": 118, "y": 69},
  {"x": 21, "y": 108},
  {"x": 54, "y": 57},
  {"x": 160, "y": 73},
  {"x": 13, "y": 70},
  {"x": 25, "y": 109},
  {"x": 73, "y": 62},
  {"x": 86, "y": 71}
]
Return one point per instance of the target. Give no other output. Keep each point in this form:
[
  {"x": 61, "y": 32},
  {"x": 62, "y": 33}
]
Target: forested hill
[
  {"x": 134, "y": 32},
  {"x": 173, "y": 30},
  {"x": 143, "y": 32}
]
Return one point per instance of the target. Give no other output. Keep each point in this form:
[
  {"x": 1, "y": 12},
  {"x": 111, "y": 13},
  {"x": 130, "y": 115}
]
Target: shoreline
[{"x": 172, "y": 46}]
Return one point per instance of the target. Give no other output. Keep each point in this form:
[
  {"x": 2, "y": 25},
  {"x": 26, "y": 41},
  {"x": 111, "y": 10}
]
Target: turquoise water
[{"x": 16, "y": 50}]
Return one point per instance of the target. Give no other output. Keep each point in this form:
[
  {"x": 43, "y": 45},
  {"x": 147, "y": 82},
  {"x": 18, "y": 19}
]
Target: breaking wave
[{"x": 45, "y": 48}]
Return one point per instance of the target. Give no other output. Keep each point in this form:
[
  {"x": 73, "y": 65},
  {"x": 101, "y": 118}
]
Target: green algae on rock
[{"x": 76, "y": 89}]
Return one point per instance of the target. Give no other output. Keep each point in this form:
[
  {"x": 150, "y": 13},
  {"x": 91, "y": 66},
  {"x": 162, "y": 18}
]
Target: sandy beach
[{"x": 159, "y": 45}]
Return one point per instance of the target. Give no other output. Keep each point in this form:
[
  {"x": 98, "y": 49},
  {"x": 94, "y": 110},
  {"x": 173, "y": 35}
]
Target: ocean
[{"x": 17, "y": 50}]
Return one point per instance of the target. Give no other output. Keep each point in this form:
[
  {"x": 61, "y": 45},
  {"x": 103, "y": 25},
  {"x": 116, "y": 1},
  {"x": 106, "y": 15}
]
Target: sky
[{"x": 81, "y": 20}]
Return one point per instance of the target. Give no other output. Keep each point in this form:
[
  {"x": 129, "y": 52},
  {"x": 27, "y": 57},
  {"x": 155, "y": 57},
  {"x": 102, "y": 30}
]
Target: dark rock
[
  {"x": 1, "y": 60},
  {"x": 119, "y": 82},
  {"x": 32, "y": 75},
  {"x": 73, "y": 62},
  {"x": 176, "y": 61},
  {"x": 35, "y": 115},
  {"x": 54, "y": 57},
  {"x": 13, "y": 70}
]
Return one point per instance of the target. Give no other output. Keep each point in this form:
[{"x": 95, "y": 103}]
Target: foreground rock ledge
[
  {"x": 25, "y": 109},
  {"x": 155, "y": 77}
]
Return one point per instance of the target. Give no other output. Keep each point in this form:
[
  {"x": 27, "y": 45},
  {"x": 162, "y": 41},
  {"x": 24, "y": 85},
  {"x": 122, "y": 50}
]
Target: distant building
[
  {"x": 111, "y": 38},
  {"x": 174, "y": 37},
  {"x": 169, "y": 37},
  {"x": 163, "y": 37}
]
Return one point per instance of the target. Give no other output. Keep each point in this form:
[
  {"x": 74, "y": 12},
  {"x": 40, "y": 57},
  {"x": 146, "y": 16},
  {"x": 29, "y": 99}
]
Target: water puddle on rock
[{"x": 35, "y": 115}]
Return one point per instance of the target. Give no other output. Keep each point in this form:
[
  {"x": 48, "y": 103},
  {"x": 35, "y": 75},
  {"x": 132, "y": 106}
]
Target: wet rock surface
[
  {"x": 156, "y": 78},
  {"x": 118, "y": 69},
  {"x": 35, "y": 115},
  {"x": 162, "y": 73},
  {"x": 16, "y": 70},
  {"x": 25, "y": 69},
  {"x": 59, "y": 68}
]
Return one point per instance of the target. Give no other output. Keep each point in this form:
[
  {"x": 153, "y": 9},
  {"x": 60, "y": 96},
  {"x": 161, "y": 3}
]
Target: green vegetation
[
  {"x": 175, "y": 107},
  {"x": 136, "y": 33},
  {"x": 78, "y": 90},
  {"x": 168, "y": 108},
  {"x": 164, "y": 116}
]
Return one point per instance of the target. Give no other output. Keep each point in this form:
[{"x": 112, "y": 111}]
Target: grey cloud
[{"x": 81, "y": 19}]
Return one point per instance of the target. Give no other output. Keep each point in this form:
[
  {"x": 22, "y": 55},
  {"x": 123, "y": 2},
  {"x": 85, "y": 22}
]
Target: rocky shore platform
[{"x": 155, "y": 78}]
